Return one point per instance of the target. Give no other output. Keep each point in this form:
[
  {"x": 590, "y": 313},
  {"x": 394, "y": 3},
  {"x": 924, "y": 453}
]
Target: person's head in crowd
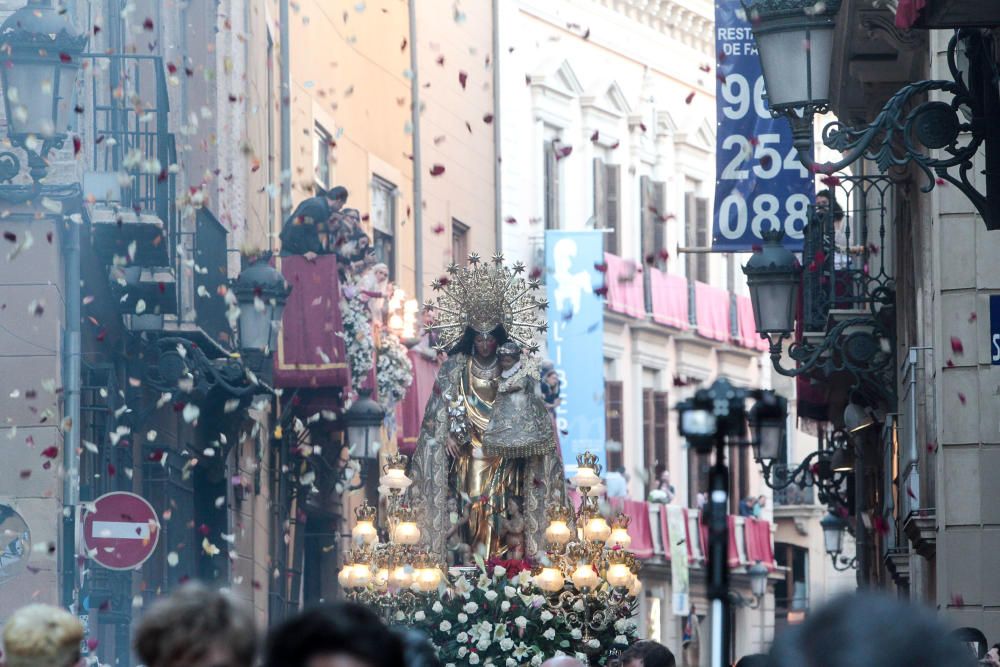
[
  {"x": 336, "y": 197},
  {"x": 754, "y": 660},
  {"x": 648, "y": 653},
  {"x": 340, "y": 634},
  {"x": 352, "y": 214},
  {"x": 827, "y": 201},
  {"x": 40, "y": 635},
  {"x": 869, "y": 630},
  {"x": 563, "y": 661},
  {"x": 417, "y": 648},
  {"x": 197, "y": 626}
]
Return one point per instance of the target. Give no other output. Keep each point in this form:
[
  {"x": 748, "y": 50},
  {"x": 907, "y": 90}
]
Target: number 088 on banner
[{"x": 760, "y": 182}]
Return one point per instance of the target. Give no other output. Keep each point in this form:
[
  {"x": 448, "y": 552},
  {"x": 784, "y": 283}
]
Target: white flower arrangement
[
  {"x": 357, "y": 335},
  {"x": 393, "y": 370},
  {"x": 498, "y": 620}
]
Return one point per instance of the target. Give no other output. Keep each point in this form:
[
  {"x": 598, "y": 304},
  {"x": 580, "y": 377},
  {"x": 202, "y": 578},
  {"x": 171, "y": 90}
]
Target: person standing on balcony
[{"x": 300, "y": 235}]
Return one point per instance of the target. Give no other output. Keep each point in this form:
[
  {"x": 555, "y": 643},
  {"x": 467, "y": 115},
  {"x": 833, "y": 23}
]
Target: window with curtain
[
  {"x": 321, "y": 155},
  {"x": 607, "y": 203},
  {"x": 614, "y": 423},
  {"x": 653, "y": 203},
  {"x": 383, "y": 216},
  {"x": 459, "y": 242}
]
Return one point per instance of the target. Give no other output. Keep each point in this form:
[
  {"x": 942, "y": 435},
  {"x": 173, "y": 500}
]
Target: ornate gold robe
[{"x": 478, "y": 483}]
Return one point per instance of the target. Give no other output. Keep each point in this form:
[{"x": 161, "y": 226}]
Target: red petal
[
  {"x": 488, "y": 118},
  {"x": 830, "y": 181},
  {"x": 437, "y": 170},
  {"x": 602, "y": 267},
  {"x": 956, "y": 345},
  {"x": 510, "y": 220},
  {"x": 961, "y": 397},
  {"x": 10, "y": 236},
  {"x": 148, "y": 25},
  {"x": 440, "y": 60},
  {"x": 50, "y": 452},
  {"x": 595, "y": 135},
  {"x": 65, "y": 57},
  {"x": 973, "y": 317},
  {"x": 462, "y": 78},
  {"x": 77, "y": 145},
  {"x": 438, "y": 228},
  {"x": 690, "y": 98}
]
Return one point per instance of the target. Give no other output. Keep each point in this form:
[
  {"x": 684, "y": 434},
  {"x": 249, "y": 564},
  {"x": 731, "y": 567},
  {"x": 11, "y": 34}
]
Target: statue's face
[{"x": 486, "y": 345}]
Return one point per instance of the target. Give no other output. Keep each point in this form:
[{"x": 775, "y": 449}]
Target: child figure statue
[
  {"x": 512, "y": 530},
  {"x": 521, "y": 425},
  {"x": 459, "y": 552}
]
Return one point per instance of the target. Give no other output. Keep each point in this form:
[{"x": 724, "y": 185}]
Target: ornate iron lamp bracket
[{"x": 902, "y": 134}]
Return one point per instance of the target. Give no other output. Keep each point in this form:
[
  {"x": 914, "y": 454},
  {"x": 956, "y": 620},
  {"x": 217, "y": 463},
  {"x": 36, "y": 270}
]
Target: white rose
[
  {"x": 483, "y": 644},
  {"x": 491, "y": 595},
  {"x": 506, "y": 644},
  {"x": 504, "y": 606},
  {"x": 538, "y": 601},
  {"x": 462, "y": 618},
  {"x": 470, "y": 608},
  {"x": 419, "y": 616},
  {"x": 445, "y": 626},
  {"x": 523, "y": 577},
  {"x": 462, "y": 637},
  {"x": 620, "y": 639},
  {"x": 511, "y": 662},
  {"x": 620, "y": 625},
  {"x": 509, "y": 591},
  {"x": 436, "y": 607},
  {"x": 400, "y": 616},
  {"x": 594, "y": 643},
  {"x": 521, "y": 622},
  {"x": 578, "y": 605},
  {"x": 550, "y": 634},
  {"x": 462, "y": 651},
  {"x": 582, "y": 657},
  {"x": 499, "y": 571},
  {"x": 546, "y": 616},
  {"x": 575, "y": 633},
  {"x": 474, "y": 659},
  {"x": 536, "y": 660}
]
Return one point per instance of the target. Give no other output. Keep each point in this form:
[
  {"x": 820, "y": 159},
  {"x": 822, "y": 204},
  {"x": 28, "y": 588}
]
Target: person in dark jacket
[{"x": 300, "y": 235}]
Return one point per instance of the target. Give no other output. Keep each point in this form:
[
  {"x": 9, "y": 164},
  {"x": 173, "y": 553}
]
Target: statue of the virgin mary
[{"x": 475, "y": 499}]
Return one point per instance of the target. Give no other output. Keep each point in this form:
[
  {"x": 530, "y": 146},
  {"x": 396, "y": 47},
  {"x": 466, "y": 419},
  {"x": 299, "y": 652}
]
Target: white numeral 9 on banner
[
  {"x": 762, "y": 212},
  {"x": 739, "y": 95}
]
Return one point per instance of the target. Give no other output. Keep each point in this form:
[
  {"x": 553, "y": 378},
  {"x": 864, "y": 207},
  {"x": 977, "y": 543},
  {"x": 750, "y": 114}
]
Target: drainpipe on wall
[
  {"x": 286, "y": 116},
  {"x": 497, "y": 191},
  {"x": 418, "y": 199},
  {"x": 71, "y": 410}
]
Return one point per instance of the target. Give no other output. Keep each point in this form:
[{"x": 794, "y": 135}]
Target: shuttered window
[
  {"x": 551, "y": 186},
  {"x": 614, "y": 420},
  {"x": 655, "y": 426},
  {"x": 696, "y": 219},
  {"x": 653, "y": 199},
  {"x": 607, "y": 203}
]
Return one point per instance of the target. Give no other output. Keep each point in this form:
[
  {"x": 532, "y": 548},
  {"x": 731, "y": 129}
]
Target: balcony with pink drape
[
  {"x": 712, "y": 312},
  {"x": 624, "y": 282},
  {"x": 747, "y": 326},
  {"x": 669, "y": 297}
]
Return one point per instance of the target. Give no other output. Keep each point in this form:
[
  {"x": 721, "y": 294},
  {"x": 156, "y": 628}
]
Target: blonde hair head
[{"x": 40, "y": 635}]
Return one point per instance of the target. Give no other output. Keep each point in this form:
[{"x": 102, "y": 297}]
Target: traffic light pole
[{"x": 718, "y": 549}]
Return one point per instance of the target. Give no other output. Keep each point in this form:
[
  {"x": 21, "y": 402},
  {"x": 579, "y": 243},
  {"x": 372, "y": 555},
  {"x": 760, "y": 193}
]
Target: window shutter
[
  {"x": 612, "y": 202},
  {"x": 613, "y": 421},
  {"x": 661, "y": 426},
  {"x": 551, "y": 187},
  {"x": 648, "y": 430},
  {"x": 600, "y": 202},
  {"x": 647, "y": 219},
  {"x": 659, "y": 222},
  {"x": 690, "y": 261},
  {"x": 702, "y": 238}
]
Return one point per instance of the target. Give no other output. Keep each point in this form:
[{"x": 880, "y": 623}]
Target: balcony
[{"x": 670, "y": 300}]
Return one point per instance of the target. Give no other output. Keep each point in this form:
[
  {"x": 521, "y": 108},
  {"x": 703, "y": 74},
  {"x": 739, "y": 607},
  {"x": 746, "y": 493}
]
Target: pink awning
[
  {"x": 669, "y": 294},
  {"x": 642, "y": 537},
  {"x": 747, "y": 325},
  {"x": 411, "y": 408},
  {"x": 624, "y": 282},
  {"x": 907, "y": 13},
  {"x": 733, "y": 552},
  {"x": 712, "y": 310},
  {"x": 310, "y": 352},
  {"x": 758, "y": 535}
]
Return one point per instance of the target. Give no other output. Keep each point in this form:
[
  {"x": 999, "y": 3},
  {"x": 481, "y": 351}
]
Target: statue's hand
[{"x": 451, "y": 446}]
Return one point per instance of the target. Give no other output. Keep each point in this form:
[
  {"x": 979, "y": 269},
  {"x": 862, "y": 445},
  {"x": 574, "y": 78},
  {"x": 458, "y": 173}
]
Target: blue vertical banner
[
  {"x": 995, "y": 329},
  {"x": 576, "y": 339},
  {"x": 760, "y": 184}
]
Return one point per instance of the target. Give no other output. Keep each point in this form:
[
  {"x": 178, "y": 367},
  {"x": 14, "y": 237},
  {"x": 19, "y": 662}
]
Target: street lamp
[
  {"x": 261, "y": 292},
  {"x": 833, "y": 540},
  {"x": 758, "y": 573},
  {"x": 363, "y": 421},
  {"x": 768, "y": 424},
  {"x": 773, "y": 278},
  {"x": 38, "y": 74},
  {"x": 795, "y": 40}
]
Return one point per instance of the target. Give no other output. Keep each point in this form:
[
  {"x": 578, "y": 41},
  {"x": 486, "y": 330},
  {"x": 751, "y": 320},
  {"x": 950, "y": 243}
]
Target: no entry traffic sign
[{"x": 121, "y": 530}]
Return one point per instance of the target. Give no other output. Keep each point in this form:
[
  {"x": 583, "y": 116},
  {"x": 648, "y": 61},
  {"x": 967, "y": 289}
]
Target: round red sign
[{"x": 120, "y": 531}]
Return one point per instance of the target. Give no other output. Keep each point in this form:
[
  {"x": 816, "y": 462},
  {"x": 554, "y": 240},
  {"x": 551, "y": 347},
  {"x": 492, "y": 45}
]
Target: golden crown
[
  {"x": 483, "y": 296},
  {"x": 588, "y": 460},
  {"x": 365, "y": 512},
  {"x": 622, "y": 520}
]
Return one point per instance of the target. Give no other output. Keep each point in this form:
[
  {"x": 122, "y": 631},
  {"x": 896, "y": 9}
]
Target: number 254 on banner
[{"x": 760, "y": 183}]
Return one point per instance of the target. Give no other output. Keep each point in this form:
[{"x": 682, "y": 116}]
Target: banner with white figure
[{"x": 576, "y": 339}]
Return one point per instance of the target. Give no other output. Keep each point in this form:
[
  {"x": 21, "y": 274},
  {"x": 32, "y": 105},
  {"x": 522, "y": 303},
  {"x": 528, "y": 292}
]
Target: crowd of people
[{"x": 198, "y": 626}]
